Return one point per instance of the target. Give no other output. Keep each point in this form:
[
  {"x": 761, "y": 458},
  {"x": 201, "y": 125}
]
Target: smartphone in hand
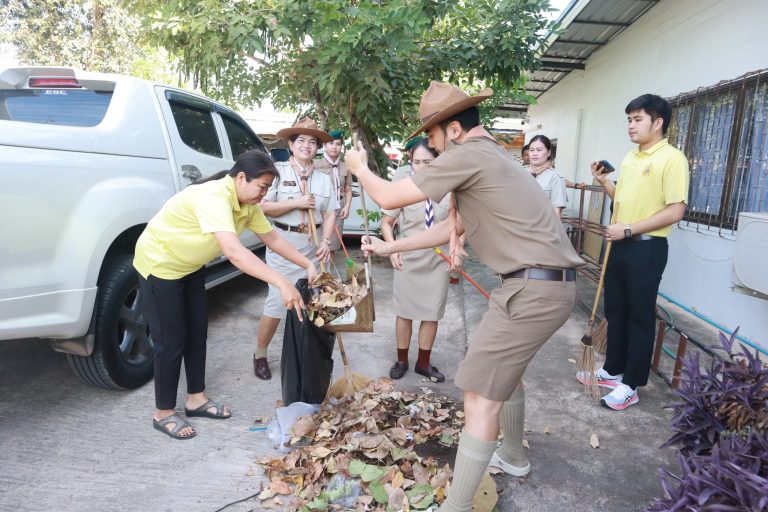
[{"x": 607, "y": 168}]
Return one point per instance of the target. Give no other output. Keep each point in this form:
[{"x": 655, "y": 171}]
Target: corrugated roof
[{"x": 586, "y": 26}]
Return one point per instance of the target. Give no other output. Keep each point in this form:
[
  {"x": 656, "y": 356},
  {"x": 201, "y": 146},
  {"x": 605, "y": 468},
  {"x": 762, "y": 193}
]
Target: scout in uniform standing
[
  {"x": 652, "y": 191},
  {"x": 297, "y": 197},
  {"x": 420, "y": 285},
  {"x": 513, "y": 229},
  {"x": 332, "y": 165}
]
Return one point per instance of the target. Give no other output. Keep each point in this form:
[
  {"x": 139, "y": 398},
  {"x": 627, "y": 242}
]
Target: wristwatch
[{"x": 628, "y": 231}]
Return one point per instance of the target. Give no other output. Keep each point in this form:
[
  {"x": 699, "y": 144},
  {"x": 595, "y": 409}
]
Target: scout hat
[
  {"x": 440, "y": 101},
  {"x": 305, "y": 126}
]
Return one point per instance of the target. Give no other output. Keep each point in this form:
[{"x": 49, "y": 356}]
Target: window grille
[{"x": 723, "y": 130}]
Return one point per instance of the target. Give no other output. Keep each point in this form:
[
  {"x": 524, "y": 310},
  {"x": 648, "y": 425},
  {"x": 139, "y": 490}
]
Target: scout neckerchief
[
  {"x": 335, "y": 174},
  {"x": 429, "y": 212},
  {"x": 303, "y": 175}
]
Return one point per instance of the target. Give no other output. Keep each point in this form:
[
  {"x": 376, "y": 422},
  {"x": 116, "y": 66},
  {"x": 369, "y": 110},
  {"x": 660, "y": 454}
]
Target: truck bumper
[{"x": 65, "y": 314}]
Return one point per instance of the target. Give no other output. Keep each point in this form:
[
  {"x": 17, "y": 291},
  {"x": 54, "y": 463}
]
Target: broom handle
[
  {"x": 464, "y": 274},
  {"x": 355, "y": 140},
  {"x": 313, "y": 231},
  {"x": 343, "y": 247},
  {"x": 341, "y": 349},
  {"x": 602, "y": 271}
]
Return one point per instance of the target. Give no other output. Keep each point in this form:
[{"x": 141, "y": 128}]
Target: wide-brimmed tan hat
[
  {"x": 440, "y": 101},
  {"x": 305, "y": 126}
]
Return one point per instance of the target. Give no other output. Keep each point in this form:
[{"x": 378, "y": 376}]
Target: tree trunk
[{"x": 322, "y": 113}]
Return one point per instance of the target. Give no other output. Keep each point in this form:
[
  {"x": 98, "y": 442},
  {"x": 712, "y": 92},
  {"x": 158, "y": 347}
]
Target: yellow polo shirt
[
  {"x": 179, "y": 239},
  {"x": 649, "y": 181}
]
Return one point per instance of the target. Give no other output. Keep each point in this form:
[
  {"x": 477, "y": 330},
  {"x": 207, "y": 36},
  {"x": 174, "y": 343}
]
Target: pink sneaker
[
  {"x": 620, "y": 398},
  {"x": 604, "y": 379}
]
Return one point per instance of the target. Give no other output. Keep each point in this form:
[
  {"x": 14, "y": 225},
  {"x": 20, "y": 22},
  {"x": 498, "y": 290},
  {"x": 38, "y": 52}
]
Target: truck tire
[{"x": 123, "y": 352}]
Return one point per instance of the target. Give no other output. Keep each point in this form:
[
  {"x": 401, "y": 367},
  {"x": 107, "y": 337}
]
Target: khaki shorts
[
  {"x": 522, "y": 314},
  {"x": 273, "y": 306}
]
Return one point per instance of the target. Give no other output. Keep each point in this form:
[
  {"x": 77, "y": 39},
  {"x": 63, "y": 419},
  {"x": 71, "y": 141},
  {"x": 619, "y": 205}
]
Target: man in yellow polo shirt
[{"x": 651, "y": 194}]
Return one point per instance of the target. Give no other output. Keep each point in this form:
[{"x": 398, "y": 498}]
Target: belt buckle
[{"x": 303, "y": 229}]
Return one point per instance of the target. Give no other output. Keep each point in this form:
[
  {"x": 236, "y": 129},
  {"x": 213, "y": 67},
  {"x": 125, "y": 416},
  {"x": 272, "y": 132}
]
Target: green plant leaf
[{"x": 356, "y": 467}]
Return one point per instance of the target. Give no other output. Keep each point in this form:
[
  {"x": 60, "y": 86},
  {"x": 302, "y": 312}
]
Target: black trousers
[
  {"x": 177, "y": 313},
  {"x": 632, "y": 279}
]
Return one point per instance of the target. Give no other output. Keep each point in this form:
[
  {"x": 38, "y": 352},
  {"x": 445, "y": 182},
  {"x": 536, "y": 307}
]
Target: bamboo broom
[
  {"x": 351, "y": 382},
  {"x": 593, "y": 338}
]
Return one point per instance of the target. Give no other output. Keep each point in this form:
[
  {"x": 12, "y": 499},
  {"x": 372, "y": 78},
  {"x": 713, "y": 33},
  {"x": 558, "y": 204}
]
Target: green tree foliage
[
  {"x": 359, "y": 64},
  {"x": 94, "y": 35}
]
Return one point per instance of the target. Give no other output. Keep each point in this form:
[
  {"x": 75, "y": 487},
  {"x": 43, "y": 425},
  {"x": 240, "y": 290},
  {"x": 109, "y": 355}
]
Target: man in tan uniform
[
  {"x": 332, "y": 165},
  {"x": 512, "y": 227}
]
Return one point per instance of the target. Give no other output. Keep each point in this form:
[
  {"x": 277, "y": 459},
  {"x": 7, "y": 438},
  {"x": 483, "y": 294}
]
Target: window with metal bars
[{"x": 723, "y": 130}]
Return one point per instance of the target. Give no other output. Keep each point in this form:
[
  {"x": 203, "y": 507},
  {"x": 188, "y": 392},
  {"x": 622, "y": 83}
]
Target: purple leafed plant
[{"x": 719, "y": 427}]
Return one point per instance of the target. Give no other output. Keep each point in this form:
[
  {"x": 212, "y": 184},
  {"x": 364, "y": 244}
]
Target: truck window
[
  {"x": 196, "y": 128},
  {"x": 54, "y": 106},
  {"x": 241, "y": 139}
]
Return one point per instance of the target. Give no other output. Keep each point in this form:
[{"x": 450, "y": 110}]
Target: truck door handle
[{"x": 191, "y": 172}]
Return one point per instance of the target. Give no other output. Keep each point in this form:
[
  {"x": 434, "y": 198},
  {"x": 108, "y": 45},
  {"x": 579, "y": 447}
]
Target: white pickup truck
[{"x": 86, "y": 159}]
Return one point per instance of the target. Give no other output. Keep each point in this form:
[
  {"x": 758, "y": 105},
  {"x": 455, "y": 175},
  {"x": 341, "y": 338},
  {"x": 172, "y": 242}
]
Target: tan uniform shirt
[
  {"x": 508, "y": 219},
  {"x": 345, "y": 177}
]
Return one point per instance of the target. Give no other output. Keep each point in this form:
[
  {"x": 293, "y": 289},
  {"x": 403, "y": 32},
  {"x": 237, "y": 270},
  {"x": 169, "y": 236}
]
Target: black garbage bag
[{"x": 307, "y": 361}]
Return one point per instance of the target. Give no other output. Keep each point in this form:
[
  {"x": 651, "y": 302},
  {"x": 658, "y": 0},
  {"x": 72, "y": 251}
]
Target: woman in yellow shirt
[{"x": 194, "y": 226}]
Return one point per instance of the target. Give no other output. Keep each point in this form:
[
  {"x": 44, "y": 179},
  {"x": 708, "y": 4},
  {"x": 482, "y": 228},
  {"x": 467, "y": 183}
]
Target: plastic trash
[
  {"x": 279, "y": 429},
  {"x": 343, "y": 491}
]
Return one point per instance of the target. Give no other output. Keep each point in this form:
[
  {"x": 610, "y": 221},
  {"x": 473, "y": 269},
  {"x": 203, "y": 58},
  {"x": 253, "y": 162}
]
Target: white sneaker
[
  {"x": 604, "y": 379},
  {"x": 620, "y": 398},
  {"x": 497, "y": 462}
]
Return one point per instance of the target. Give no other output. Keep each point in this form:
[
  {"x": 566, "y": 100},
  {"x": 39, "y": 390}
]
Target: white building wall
[{"x": 677, "y": 46}]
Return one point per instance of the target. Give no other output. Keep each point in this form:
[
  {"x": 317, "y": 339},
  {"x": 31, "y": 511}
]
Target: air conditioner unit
[{"x": 750, "y": 268}]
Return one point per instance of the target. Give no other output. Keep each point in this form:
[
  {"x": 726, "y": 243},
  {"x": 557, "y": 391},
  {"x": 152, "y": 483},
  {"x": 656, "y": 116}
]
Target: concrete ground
[{"x": 67, "y": 446}]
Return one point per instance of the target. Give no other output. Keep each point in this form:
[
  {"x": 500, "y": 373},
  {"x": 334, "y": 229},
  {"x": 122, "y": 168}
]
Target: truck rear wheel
[{"x": 123, "y": 353}]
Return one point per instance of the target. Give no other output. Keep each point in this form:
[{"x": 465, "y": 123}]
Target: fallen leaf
[
  {"x": 320, "y": 452},
  {"x": 459, "y": 414},
  {"x": 250, "y": 472},
  {"x": 266, "y": 494},
  {"x": 525, "y": 443},
  {"x": 571, "y": 360},
  {"x": 420, "y": 474},
  {"x": 398, "y": 480},
  {"x": 546, "y": 429},
  {"x": 486, "y": 495},
  {"x": 280, "y": 487},
  {"x": 594, "y": 442},
  {"x": 304, "y": 426}
]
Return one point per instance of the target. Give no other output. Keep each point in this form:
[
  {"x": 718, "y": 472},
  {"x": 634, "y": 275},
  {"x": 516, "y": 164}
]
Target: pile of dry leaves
[
  {"x": 366, "y": 443},
  {"x": 332, "y": 298}
]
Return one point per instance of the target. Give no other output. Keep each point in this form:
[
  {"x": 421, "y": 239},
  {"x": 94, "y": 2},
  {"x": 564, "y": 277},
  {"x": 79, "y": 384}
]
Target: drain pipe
[{"x": 713, "y": 323}]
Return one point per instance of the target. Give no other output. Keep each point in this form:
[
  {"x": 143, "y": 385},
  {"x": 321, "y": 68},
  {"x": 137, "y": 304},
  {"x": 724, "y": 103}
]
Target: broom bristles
[
  {"x": 349, "y": 384},
  {"x": 600, "y": 338},
  {"x": 586, "y": 364}
]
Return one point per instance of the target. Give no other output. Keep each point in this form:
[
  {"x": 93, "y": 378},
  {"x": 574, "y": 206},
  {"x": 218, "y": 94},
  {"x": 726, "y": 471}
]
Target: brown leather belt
[
  {"x": 301, "y": 228},
  {"x": 543, "y": 274}
]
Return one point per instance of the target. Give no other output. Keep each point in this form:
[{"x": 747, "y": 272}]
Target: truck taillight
[{"x": 68, "y": 83}]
